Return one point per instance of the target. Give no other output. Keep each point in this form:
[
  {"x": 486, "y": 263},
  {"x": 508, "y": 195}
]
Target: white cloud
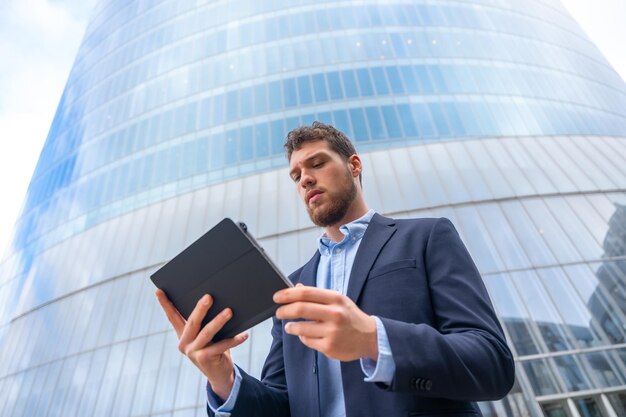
[
  {"x": 603, "y": 22},
  {"x": 38, "y": 42}
]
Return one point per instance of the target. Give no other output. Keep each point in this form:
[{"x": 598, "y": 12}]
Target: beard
[{"x": 337, "y": 205}]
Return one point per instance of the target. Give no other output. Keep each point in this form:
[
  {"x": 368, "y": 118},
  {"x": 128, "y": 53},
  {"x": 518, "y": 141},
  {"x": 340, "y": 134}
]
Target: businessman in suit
[{"x": 388, "y": 318}]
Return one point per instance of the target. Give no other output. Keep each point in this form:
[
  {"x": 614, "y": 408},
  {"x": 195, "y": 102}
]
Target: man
[{"x": 389, "y": 318}]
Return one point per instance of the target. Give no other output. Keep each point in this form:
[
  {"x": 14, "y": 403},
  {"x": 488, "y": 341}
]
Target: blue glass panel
[
  {"x": 399, "y": 48},
  {"x": 409, "y": 79},
  {"x": 365, "y": 83},
  {"x": 262, "y": 140},
  {"x": 377, "y": 129},
  {"x": 424, "y": 15},
  {"x": 191, "y": 112},
  {"x": 359, "y": 125},
  {"x": 425, "y": 83},
  {"x": 188, "y": 165},
  {"x": 275, "y": 95},
  {"x": 307, "y": 119},
  {"x": 304, "y": 90},
  {"x": 246, "y": 143},
  {"x": 217, "y": 150},
  {"x": 394, "y": 80},
  {"x": 232, "y": 143},
  {"x": 291, "y": 123},
  {"x": 349, "y": 83},
  {"x": 422, "y": 116},
  {"x": 319, "y": 87},
  {"x": 454, "y": 119},
  {"x": 334, "y": 85},
  {"x": 278, "y": 133},
  {"x": 380, "y": 81},
  {"x": 322, "y": 20},
  {"x": 391, "y": 121},
  {"x": 260, "y": 98},
  {"x": 173, "y": 168},
  {"x": 217, "y": 114},
  {"x": 325, "y": 117},
  {"x": 202, "y": 154},
  {"x": 232, "y": 101},
  {"x": 439, "y": 118},
  {"x": 342, "y": 122},
  {"x": 408, "y": 123},
  {"x": 438, "y": 80},
  {"x": 246, "y": 101},
  {"x": 289, "y": 92},
  {"x": 464, "y": 111}
]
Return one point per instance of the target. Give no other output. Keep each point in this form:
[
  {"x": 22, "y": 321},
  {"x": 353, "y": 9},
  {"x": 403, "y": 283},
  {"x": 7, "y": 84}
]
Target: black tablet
[{"x": 227, "y": 263}]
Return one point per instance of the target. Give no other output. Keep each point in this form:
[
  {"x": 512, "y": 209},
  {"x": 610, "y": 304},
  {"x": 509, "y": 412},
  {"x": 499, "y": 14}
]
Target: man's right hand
[{"x": 213, "y": 359}]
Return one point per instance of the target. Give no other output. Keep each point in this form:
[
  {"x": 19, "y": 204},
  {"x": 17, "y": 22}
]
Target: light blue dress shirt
[{"x": 333, "y": 272}]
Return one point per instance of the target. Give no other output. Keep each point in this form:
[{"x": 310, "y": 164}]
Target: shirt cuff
[
  {"x": 215, "y": 402},
  {"x": 384, "y": 368}
]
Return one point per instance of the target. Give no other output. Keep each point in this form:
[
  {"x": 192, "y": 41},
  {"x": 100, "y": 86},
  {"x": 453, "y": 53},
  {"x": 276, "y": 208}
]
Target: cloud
[{"x": 38, "y": 43}]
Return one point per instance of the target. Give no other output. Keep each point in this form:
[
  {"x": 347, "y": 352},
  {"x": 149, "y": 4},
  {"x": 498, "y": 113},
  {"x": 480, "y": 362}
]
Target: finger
[
  {"x": 305, "y": 293},
  {"x": 176, "y": 320},
  {"x": 223, "y": 345},
  {"x": 195, "y": 320},
  {"x": 307, "y": 329},
  {"x": 306, "y": 311},
  {"x": 208, "y": 332},
  {"x": 315, "y": 343}
]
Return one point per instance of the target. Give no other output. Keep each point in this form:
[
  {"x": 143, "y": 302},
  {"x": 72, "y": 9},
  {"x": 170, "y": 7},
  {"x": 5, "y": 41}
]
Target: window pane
[{"x": 541, "y": 377}]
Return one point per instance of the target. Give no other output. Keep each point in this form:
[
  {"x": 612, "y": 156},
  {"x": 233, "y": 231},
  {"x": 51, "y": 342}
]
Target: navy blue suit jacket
[{"x": 449, "y": 349}]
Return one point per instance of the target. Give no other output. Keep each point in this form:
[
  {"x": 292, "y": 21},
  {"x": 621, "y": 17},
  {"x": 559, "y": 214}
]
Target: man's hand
[
  {"x": 335, "y": 326},
  {"x": 213, "y": 359}
]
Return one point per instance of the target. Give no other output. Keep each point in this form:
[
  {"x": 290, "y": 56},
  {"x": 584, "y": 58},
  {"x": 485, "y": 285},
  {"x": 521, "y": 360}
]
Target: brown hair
[{"x": 318, "y": 131}]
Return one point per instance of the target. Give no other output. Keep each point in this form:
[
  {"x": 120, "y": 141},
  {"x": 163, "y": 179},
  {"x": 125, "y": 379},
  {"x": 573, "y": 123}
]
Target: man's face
[{"x": 325, "y": 182}]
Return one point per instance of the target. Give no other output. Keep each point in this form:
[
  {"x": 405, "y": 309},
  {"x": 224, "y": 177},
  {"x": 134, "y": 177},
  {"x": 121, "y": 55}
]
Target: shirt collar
[{"x": 352, "y": 232}]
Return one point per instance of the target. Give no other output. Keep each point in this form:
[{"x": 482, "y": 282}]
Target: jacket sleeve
[
  {"x": 463, "y": 355},
  {"x": 268, "y": 397}
]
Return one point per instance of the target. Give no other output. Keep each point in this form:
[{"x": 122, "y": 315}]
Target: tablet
[{"x": 227, "y": 263}]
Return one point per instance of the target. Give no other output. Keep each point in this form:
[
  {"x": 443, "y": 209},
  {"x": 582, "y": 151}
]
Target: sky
[{"x": 38, "y": 43}]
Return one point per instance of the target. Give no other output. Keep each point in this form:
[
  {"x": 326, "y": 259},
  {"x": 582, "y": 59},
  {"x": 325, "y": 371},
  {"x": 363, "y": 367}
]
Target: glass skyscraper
[{"x": 498, "y": 114}]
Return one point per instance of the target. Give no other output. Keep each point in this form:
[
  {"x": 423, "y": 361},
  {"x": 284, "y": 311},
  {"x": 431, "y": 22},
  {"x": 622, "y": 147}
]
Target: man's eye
[
  {"x": 318, "y": 164},
  {"x": 295, "y": 178}
]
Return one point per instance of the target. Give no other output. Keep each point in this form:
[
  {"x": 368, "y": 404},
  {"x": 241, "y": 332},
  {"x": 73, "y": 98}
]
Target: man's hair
[{"x": 318, "y": 131}]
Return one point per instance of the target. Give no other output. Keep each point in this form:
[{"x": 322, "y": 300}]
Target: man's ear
[{"x": 354, "y": 163}]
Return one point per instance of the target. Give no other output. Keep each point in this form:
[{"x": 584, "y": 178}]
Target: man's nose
[{"x": 306, "y": 179}]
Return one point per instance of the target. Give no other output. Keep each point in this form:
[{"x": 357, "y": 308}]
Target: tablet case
[{"x": 227, "y": 263}]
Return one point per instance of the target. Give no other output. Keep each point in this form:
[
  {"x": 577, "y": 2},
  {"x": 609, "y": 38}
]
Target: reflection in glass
[
  {"x": 542, "y": 310},
  {"x": 571, "y": 372},
  {"x": 618, "y": 401},
  {"x": 575, "y": 314},
  {"x": 541, "y": 377},
  {"x": 513, "y": 314},
  {"x": 605, "y": 368},
  {"x": 555, "y": 410},
  {"x": 588, "y": 407}
]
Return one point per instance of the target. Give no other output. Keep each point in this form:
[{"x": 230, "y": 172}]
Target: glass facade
[{"x": 499, "y": 115}]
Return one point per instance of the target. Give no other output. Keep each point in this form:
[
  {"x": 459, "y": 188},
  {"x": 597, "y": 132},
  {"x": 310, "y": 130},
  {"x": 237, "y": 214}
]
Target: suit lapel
[
  {"x": 308, "y": 275},
  {"x": 377, "y": 234}
]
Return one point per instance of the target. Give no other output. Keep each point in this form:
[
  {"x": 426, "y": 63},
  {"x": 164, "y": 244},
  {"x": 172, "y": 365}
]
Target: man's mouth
[{"x": 313, "y": 195}]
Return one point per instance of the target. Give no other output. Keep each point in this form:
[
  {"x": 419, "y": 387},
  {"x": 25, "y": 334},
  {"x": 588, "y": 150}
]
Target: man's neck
[{"x": 356, "y": 211}]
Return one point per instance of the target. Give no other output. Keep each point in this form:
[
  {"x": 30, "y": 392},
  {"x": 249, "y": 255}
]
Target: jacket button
[
  {"x": 428, "y": 385},
  {"x": 413, "y": 383}
]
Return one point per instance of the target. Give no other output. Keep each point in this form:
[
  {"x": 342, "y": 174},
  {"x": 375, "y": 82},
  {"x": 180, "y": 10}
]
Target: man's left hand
[{"x": 334, "y": 325}]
